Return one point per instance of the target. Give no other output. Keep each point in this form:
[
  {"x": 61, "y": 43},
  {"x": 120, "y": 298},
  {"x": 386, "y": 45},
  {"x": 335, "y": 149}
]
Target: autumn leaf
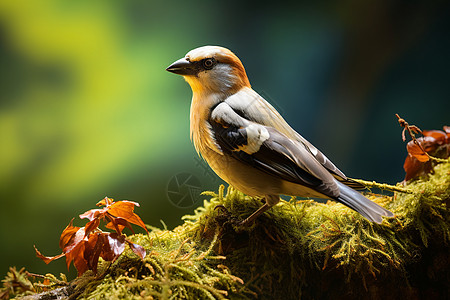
[
  {"x": 417, "y": 151},
  {"x": 67, "y": 235},
  {"x": 447, "y": 131},
  {"x": 438, "y": 135},
  {"x": 119, "y": 224},
  {"x": 413, "y": 167},
  {"x": 120, "y": 214},
  {"x": 83, "y": 246},
  {"x": 76, "y": 254},
  {"x": 47, "y": 259},
  {"x": 138, "y": 250},
  {"x": 116, "y": 245},
  {"x": 94, "y": 213},
  {"x": 105, "y": 202},
  {"x": 434, "y": 143},
  {"x": 125, "y": 210}
]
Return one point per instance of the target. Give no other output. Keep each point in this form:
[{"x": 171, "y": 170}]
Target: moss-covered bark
[{"x": 298, "y": 249}]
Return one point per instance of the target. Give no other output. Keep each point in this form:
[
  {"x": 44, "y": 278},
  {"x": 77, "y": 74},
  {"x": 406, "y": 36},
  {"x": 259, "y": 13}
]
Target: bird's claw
[{"x": 244, "y": 223}]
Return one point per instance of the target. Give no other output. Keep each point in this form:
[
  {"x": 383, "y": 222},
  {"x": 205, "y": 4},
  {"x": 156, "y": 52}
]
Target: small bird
[{"x": 249, "y": 144}]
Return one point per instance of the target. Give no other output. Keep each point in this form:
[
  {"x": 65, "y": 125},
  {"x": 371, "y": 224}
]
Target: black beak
[{"x": 182, "y": 67}]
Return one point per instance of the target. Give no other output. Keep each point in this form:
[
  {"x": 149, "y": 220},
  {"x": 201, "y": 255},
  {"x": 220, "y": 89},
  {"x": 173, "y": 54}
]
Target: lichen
[{"x": 299, "y": 248}]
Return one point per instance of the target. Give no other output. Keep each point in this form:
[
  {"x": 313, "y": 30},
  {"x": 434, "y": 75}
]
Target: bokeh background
[{"x": 87, "y": 109}]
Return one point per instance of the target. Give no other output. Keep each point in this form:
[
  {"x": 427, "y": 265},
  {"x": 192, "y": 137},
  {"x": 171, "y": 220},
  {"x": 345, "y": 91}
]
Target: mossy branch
[
  {"x": 383, "y": 186},
  {"x": 299, "y": 248}
]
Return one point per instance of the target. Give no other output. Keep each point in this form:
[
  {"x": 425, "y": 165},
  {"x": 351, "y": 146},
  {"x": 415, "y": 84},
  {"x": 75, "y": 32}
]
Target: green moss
[
  {"x": 176, "y": 267},
  {"x": 298, "y": 244},
  {"x": 299, "y": 248}
]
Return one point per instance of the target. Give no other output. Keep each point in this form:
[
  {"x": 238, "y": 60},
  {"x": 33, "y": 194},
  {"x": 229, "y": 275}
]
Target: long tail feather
[{"x": 368, "y": 209}]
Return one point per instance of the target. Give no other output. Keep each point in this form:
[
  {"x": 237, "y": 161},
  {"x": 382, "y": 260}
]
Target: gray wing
[
  {"x": 269, "y": 150},
  {"x": 250, "y": 105}
]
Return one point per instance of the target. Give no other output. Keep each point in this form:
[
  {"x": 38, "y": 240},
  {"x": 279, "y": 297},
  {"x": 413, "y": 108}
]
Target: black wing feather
[{"x": 272, "y": 158}]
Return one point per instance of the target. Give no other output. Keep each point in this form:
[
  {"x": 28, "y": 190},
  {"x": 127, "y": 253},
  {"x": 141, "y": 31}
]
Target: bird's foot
[{"x": 245, "y": 223}]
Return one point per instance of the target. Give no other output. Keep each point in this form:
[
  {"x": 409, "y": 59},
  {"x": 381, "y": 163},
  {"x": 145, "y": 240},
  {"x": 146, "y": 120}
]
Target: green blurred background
[{"x": 87, "y": 109}]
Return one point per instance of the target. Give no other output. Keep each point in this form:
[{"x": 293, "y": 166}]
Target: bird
[{"x": 248, "y": 144}]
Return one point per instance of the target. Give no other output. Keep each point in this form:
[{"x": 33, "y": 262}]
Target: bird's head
[{"x": 211, "y": 69}]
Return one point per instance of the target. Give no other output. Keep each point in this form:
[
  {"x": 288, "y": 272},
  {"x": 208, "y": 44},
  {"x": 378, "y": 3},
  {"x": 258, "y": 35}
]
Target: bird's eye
[{"x": 209, "y": 63}]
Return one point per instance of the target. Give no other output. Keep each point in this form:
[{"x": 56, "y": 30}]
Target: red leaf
[
  {"x": 94, "y": 213},
  {"x": 91, "y": 226},
  {"x": 67, "y": 235},
  {"x": 138, "y": 249},
  {"x": 114, "y": 246},
  {"x": 47, "y": 259},
  {"x": 120, "y": 224},
  {"x": 93, "y": 249},
  {"x": 414, "y": 150},
  {"x": 113, "y": 225},
  {"x": 76, "y": 254},
  {"x": 105, "y": 202},
  {"x": 76, "y": 239},
  {"x": 84, "y": 245},
  {"x": 412, "y": 167},
  {"x": 124, "y": 209},
  {"x": 438, "y": 135},
  {"x": 447, "y": 130}
]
